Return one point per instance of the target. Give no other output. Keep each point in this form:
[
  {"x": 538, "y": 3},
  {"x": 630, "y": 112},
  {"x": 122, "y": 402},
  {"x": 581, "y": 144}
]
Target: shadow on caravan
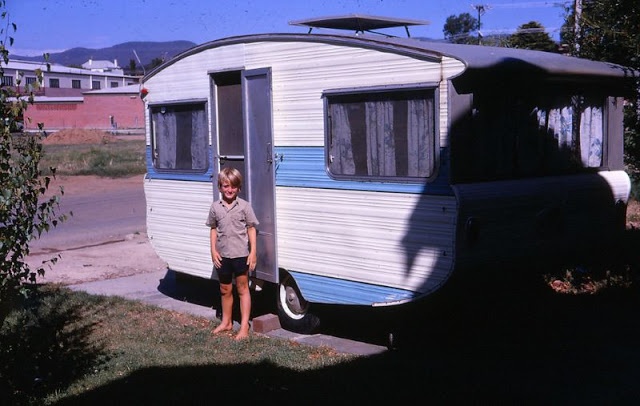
[{"x": 382, "y": 168}]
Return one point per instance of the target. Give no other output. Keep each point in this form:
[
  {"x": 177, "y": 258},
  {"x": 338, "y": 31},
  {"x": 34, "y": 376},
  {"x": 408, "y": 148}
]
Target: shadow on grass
[
  {"x": 498, "y": 348},
  {"x": 496, "y": 338},
  {"x": 44, "y": 346}
]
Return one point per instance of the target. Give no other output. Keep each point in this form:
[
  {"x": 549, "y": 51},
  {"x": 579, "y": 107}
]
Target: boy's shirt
[{"x": 231, "y": 223}]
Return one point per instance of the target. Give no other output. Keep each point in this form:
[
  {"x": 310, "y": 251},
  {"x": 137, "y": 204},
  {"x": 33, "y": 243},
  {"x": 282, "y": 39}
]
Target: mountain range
[{"x": 148, "y": 52}]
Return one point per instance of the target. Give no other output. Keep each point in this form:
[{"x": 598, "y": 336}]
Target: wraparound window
[
  {"x": 386, "y": 135},
  {"x": 180, "y": 137}
]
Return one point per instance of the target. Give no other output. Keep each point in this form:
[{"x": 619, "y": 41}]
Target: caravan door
[{"x": 244, "y": 140}]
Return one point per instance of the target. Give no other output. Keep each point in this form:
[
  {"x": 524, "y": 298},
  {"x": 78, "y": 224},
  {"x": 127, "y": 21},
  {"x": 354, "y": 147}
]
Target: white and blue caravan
[{"x": 379, "y": 166}]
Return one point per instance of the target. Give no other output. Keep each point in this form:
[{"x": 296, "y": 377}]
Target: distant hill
[{"x": 123, "y": 53}]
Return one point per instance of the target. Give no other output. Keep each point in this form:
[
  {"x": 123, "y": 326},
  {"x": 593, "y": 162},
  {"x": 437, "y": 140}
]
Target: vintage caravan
[{"x": 381, "y": 166}]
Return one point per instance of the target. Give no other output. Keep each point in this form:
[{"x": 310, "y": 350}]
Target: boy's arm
[
  {"x": 215, "y": 256},
  {"x": 252, "y": 259}
]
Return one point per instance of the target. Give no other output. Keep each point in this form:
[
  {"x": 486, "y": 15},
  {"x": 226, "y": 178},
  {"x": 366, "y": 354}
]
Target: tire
[{"x": 293, "y": 310}]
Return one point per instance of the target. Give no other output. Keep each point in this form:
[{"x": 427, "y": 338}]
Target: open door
[{"x": 244, "y": 140}]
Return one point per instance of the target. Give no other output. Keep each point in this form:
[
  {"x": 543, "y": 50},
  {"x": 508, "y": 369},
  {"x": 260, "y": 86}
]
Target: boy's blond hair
[{"x": 231, "y": 175}]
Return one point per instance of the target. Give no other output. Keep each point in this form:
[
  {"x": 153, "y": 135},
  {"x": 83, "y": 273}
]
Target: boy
[{"x": 233, "y": 248}]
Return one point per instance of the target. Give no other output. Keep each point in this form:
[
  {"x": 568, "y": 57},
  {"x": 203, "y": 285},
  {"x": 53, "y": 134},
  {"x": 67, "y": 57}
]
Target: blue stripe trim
[
  {"x": 322, "y": 289},
  {"x": 153, "y": 173},
  {"x": 305, "y": 167}
]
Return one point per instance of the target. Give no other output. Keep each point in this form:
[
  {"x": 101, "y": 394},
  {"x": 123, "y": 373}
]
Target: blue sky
[{"x": 57, "y": 25}]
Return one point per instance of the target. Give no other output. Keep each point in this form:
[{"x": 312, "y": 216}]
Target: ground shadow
[{"x": 503, "y": 341}]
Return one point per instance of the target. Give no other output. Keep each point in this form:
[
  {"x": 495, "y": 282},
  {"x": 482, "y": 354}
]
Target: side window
[
  {"x": 515, "y": 136},
  {"x": 7, "y": 80},
  {"x": 75, "y": 84},
  {"x": 180, "y": 137},
  {"x": 388, "y": 135},
  {"x": 578, "y": 126},
  {"x": 54, "y": 83}
]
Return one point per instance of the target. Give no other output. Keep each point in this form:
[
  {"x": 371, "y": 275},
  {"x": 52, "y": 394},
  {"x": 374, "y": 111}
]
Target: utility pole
[
  {"x": 481, "y": 9},
  {"x": 577, "y": 33}
]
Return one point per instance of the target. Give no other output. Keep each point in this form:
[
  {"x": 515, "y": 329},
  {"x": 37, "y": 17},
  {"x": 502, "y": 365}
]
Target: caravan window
[
  {"x": 179, "y": 137},
  {"x": 386, "y": 135},
  {"x": 517, "y": 135}
]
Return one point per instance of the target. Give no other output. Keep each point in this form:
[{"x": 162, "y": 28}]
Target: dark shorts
[{"x": 232, "y": 267}]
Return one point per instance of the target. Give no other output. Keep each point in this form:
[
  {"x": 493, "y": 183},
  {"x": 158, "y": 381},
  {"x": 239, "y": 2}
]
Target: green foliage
[
  {"x": 24, "y": 212},
  {"x": 532, "y": 35},
  {"x": 457, "y": 29},
  {"x": 44, "y": 345}
]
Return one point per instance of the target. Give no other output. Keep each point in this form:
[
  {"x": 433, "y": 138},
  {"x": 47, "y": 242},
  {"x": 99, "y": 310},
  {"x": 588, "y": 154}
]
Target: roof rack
[{"x": 358, "y": 23}]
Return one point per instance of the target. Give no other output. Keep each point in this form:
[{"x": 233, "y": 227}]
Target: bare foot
[
  {"x": 242, "y": 334},
  {"x": 222, "y": 328}
]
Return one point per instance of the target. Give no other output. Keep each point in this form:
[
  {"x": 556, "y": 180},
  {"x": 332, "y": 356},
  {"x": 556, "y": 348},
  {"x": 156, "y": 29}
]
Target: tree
[
  {"x": 532, "y": 35},
  {"x": 132, "y": 67},
  {"x": 25, "y": 212},
  {"x": 457, "y": 29},
  {"x": 609, "y": 30}
]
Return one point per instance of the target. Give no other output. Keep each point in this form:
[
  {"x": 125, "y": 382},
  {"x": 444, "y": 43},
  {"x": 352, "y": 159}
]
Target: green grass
[
  {"x": 115, "y": 159},
  {"x": 65, "y": 344},
  {"x": 501, "y": 340}
]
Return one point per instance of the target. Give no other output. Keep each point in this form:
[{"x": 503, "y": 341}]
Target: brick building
[{"x": 109, "y": 109}]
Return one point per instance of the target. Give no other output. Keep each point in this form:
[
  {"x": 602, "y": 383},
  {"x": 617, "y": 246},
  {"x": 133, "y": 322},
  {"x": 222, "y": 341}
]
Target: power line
[{"x": 532, "y": 4}]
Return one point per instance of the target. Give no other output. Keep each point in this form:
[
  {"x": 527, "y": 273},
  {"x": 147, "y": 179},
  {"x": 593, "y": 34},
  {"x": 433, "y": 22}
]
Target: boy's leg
[
  {"x": 242, "y": 284},
  {"x": 226, "y": 296}
]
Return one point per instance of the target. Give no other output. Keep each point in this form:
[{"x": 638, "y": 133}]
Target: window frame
[
  {"x": 153, "y": 143},
  {"x": 431, "y": 92},
  {"x": 76, "y": 84}
]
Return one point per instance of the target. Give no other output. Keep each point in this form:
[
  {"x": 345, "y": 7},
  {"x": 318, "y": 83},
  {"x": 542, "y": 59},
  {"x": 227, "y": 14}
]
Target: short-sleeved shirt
[{"x": 231, "y": 223}]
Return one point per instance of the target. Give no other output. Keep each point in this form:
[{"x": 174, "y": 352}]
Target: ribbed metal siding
[
  {"x": 301, "y": 71},
  {"x": 390, "y": 239},
  {"x": 176, "y": 216},
  {"x": 527, "y": 219}
]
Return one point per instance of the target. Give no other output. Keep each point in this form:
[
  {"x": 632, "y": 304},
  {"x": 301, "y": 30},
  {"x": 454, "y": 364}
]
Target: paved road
[{"x": 103, "y": 210}]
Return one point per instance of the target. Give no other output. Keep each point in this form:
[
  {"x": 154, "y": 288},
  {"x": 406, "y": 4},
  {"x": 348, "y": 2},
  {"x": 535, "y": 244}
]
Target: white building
[{"x": 65, "y": 81}]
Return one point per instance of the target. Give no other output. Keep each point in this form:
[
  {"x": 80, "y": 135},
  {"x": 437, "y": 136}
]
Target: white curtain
[
  {"x": 341, "y": 153},
  {"x": 560, "y": 122},
  {"x": 381, "y": 157},
  {"x": 591, "y": 136}
]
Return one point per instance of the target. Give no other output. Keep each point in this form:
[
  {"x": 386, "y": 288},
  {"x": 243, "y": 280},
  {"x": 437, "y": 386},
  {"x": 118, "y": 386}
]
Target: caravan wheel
[{"x": 293, "y": 310}]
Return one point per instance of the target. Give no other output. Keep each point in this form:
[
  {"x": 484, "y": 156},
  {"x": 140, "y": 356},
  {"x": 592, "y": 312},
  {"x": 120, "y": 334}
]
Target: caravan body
[{"x": 380, "y": 166}]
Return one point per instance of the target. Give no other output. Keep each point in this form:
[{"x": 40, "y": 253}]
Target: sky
[{"x": 57, "y": 25}]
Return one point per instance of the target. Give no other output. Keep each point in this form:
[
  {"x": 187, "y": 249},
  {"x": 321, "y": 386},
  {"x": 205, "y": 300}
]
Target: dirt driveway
[{"x": 120, "y": 255}]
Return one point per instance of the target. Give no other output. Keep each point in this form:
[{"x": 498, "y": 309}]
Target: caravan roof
[{"x": 358, "y": 22}]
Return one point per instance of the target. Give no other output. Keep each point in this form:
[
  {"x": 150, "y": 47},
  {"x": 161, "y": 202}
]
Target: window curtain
[
  {"x": 199, "y": 140},
  {"x": 591, "y": 129},
  {"x": 381, "y": 137},
  {"x": 381, "y": 158},
  {"x": 419, "y": 134},
  {"x": 341, "y": 153},
  {"x": 166, "y": 139},
  {"x": 559, "y": 121}
]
